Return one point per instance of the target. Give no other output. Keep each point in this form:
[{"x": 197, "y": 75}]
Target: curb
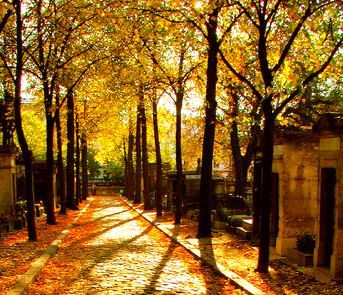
[
  {"x": 35, "y": 268},
  {"x": 233, "y": 277}
]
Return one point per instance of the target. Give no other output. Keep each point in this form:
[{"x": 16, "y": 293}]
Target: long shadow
[
  {"x": 110, "y": 249},
  {"x": 108, "y": 254},
  {"x": 208, "y": 260},
  {"x": 98, "y": 233},
  {"x": 110, "y": 222},
  {"x": 105, "y": 216},
  {"x": 206, "y": 253},
  {"x": 163, "y": 262},
  {"x": 292, "y": 280}
]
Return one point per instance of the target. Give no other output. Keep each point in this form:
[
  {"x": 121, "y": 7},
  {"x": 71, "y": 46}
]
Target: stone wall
[
  {"x": 7, "y": 182},
  {"x": 296, "y": 162}
]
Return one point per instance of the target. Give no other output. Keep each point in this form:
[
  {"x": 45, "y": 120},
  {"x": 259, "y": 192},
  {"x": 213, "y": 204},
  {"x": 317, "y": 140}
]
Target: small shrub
[
  {"x": 224, "y": 213},
  {"x": 306, "y": 243},
  {"x": 236, "y": 221},
  {"x": 20, "y": 205}
]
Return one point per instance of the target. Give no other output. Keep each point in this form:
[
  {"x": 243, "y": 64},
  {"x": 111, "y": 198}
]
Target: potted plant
[
  {"x": 303, "y": 253},
  {"x": 20, "y": 218},
  {"x": 20, "y": 207},
  {"x": 306, "y": 243}
]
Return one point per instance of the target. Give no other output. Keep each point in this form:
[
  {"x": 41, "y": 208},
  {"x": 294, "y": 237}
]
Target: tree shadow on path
[
  {"x": 208, "y": 260},
  {"x": 163, "y": 262}
]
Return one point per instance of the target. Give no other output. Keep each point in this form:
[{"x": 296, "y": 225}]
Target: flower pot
[{"x": 300, "y": 258}]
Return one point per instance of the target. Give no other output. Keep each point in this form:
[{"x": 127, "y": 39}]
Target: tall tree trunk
[
  {"x": 126, "y": 170},
  {"x": 130, "y": 172},
  {"x": 179, "y": 175},
  {"x": 242, "y": 162},
  {"x": 27, "y": 154},
  {"x": 146, "y": 188},
  {"x": 267, "y": 155},
  {"x": 267, "y": 150},
  {"x": 240, "y": 173},
  {"x": 138, "y": 186},
  {"x": 50, "y": 202},
  {"x": 60, "y": 166},
  {"x": 77, "y": 164},
  {"x": 84, "y": 166},
  {"x": 204, "y": 227},
  {"x": 6, "y": 118},
  {"x": 6, "y": 17},
  {"x": 158, "y": 185},
  {"x": 48, "y": 88},
  {"x": 70, "y": 153}
]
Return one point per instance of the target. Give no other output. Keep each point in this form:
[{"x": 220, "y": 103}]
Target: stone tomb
[
  {"x": 7, "y": 180},
  {"x": 328, "y": 254},
  {"x": 308, "y": 199}
]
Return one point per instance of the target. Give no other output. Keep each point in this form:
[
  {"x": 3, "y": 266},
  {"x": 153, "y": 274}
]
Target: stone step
[
  {"x": 247, "y": 224},
  {"x": 243, "y": 233}
]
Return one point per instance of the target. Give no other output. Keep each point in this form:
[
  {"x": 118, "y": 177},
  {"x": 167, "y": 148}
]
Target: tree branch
[
  {"x": 241, "y": 77},
  {"x": 5, "y": 19},
  {"x": 309, "y": 78}
]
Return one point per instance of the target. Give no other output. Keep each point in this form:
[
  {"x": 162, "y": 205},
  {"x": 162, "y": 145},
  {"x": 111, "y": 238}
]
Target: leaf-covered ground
[
  {"x": 112, "y": 250},
  {"x": 17, "y": 254},
  {"x": 241, "y": 257}
]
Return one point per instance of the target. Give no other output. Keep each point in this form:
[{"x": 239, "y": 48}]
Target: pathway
[{"x": 112, "y": 250}]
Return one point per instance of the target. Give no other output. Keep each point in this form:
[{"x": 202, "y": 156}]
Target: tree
[
  {"x": 60, "y": 166},
  {"x": 55, "y": 50},
  {"x": 204, "y": 228},
  {"x": 238, "y": 107},
  {"x": 7, "y": 120},
  {"x": 71, "y": 202},
  {"x": 145, "y": 161},
  {"x": 84, "y": 166},
  {"x": 138, "y": 183},
  {"x": 281, "y": 75},
  {"x": 174, "y": 77},
  {"x": 27, "y": 154},
  {"x": 129, "y": 169},
  {"x": 4, "y": 20},
  {"x": 158, "y": 184}
]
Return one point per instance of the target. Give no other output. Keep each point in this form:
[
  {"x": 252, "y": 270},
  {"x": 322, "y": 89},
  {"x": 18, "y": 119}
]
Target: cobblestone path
[{"x": 113, "y": 250}]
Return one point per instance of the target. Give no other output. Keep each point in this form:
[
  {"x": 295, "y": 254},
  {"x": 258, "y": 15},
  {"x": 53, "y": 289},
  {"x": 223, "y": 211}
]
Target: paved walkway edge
[
  {"x": 36, "y": 267},
  {"x": 233, "y": 277}
]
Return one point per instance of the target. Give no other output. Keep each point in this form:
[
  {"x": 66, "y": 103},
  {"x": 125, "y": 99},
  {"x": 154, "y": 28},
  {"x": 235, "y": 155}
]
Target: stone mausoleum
[{"x": 308, "y": 192}]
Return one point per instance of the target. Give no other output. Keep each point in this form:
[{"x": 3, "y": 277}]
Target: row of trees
[
  {"x": 254, "y": 64},
  {"x": 267, "y": 58}
]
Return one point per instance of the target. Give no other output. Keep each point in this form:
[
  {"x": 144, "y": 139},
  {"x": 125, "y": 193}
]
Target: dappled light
[{"x": 171, "y": 147}]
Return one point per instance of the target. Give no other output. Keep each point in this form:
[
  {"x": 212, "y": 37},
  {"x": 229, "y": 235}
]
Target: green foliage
[
  {"x": 235, "y": 221},
  {"x": 224, "y": 213},
  {"x": 20, "y": 205},
  {"x": 93, "y": 165},
  {"x": 34, "y": 128},
  {"x": 114, "y": 172}
]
